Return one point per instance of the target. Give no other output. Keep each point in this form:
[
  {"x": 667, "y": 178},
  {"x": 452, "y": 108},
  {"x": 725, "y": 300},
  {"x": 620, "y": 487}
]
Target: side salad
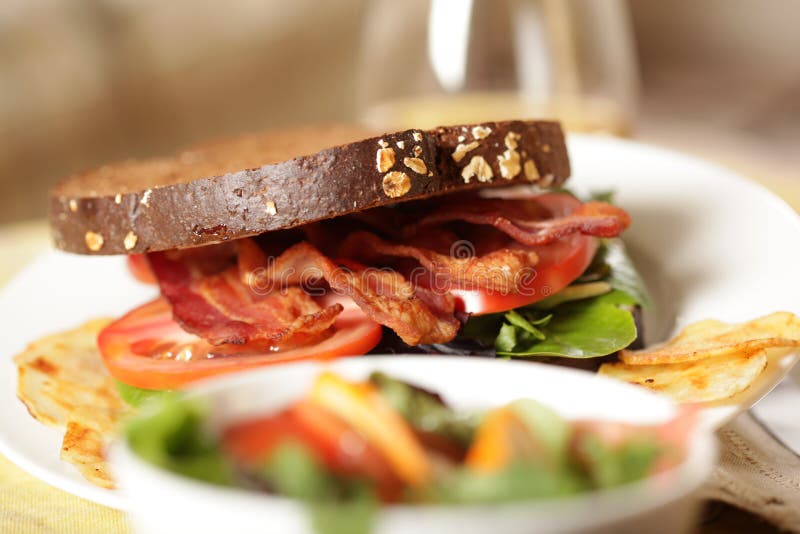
[{"x": 347, "y": 448}]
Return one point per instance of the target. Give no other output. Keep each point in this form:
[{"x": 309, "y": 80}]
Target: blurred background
[{"x": 84, "y": 82}]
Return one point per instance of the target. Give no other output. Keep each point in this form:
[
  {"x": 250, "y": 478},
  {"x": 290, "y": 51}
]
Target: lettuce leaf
[
  {"x": 171, "y": 434},
  {"x": 585, "y": 328},
  {"x": 337, "y": 505},
  {"x": 517, "y": 482},
  {"x": 138, "y": 397},
  {"x": 612, "y": 264},
  {"x": 608, "y": 466},
  {"x": 425, "y": 411}
]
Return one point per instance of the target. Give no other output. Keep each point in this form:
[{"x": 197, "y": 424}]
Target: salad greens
[
  {"x": 518, "y": 481},
  {"x": 613, "y": 264},
  {"x": 610, "y": 467},
  {"x": 584, "y": 328},
  {"x": 338, "y": 505},
  {"x": 551, "y": 433},
  {"x": 592, "y": 317},
  {"x": 171, "y": 435},
  {"x": 423, "y": 410},
  {"x": 138, "y": 397}
]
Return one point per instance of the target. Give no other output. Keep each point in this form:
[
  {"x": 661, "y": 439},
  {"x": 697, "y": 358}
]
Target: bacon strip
[
  {"x": 382, "y": 294},
  {"x": 498, "y": 270},
  {"x": 223, "y": 310},
  {"x": 597, "y": 219}
]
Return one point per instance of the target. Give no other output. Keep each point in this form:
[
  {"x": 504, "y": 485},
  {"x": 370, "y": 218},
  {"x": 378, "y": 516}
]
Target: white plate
[{"x": 709, "y": 243}]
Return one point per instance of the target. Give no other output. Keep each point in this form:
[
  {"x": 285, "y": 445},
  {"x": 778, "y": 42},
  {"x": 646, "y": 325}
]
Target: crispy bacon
[
  {"x": 226, "y": 307},
  {"x": 266, "y": 300},
  {"x": 498, "y": 270},
  {"x": 513, "y": 217},
  {"x": 223, "y": 310},
  {"x": 382, "y": 294}
]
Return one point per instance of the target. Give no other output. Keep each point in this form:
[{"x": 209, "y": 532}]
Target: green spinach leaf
[
  {"x": 337, "y": 505},
  {"x": 137, "y": 397},
  {"x": 171, "y": 434},
  {"x": 425, "y": 411},
  {"x": 578, "y": 329},
  {"x": 613, "y": 265}
]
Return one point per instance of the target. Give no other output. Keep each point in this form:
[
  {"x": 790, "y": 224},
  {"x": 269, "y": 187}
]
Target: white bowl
[{"x": 161, "y": 501}]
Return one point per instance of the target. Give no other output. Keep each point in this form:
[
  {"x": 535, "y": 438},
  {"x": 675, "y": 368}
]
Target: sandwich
[{"x": 272, "y": 248}]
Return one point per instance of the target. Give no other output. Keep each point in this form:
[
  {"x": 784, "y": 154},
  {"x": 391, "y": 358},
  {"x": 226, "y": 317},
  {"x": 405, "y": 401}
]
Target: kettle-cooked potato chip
[
  {"x": 711, "y": 339},
  {"x": 706, "y": 380},
  {"x": 63, "y": 382}
]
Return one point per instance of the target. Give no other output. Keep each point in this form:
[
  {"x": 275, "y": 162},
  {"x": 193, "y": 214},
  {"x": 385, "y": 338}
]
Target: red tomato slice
[
  {"x": 146, "y": 348},
  {"x": 332, "y": 441},
  {"x": 560, "y": 263},
  {"x": 140, "y": 269}
]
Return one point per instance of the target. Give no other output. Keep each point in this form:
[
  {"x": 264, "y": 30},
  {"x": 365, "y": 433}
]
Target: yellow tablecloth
[{"x": 30, "y": 506}]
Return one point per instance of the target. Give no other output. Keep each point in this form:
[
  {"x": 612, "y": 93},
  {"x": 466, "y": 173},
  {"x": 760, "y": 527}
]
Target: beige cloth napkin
[{"x": 757, "y": 473}]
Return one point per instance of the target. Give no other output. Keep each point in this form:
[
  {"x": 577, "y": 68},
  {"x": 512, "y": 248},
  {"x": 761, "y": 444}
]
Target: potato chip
[
  {"x": 707, "y": 380},
  {"x": 85, "y": 441},
  {"x": 63, "y": 382},
  {"x": 711, "y": 339}
]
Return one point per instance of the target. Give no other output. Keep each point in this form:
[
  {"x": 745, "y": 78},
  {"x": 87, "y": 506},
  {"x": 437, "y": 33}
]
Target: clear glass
[{"x": 430, "y": 62}]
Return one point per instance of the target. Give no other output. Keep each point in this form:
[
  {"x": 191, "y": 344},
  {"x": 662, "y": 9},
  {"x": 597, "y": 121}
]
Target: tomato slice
[
  {"x": 560, "y": 263},
  {"x": 333, "y": 443},
  {"x": 146, "y": 348},
  {"x": 362, "y": 406},
  {"x": 140, "y": 269}
]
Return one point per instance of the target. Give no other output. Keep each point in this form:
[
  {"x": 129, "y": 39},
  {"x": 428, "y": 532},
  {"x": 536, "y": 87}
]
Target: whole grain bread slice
[{"x": 279, "y": 179}]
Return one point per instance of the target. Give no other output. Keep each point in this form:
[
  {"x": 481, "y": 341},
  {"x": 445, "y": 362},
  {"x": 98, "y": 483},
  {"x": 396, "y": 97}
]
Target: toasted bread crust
[{"x": 280, "y": 179}]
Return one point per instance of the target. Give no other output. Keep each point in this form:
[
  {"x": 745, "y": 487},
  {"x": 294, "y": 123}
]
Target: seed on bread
[
  {"x": 478, "y": 168},
  {"x": 480, "y": 132},
  {"x": 462, "y": 150},
  {"x": 415, "y": 164},
  {"x": 396, "y": 184},
  {"x": 531, "y": 172},
  {"x": 509, "y": 160},
  {"x": 130, "y": 240},
  {"x": 385, "y": 159},
  {"x": 94, "y": 241}
]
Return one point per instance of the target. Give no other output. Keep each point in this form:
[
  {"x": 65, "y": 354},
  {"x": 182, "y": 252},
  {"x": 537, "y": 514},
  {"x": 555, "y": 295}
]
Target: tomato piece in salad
[{"x": 330, "y": 440}]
